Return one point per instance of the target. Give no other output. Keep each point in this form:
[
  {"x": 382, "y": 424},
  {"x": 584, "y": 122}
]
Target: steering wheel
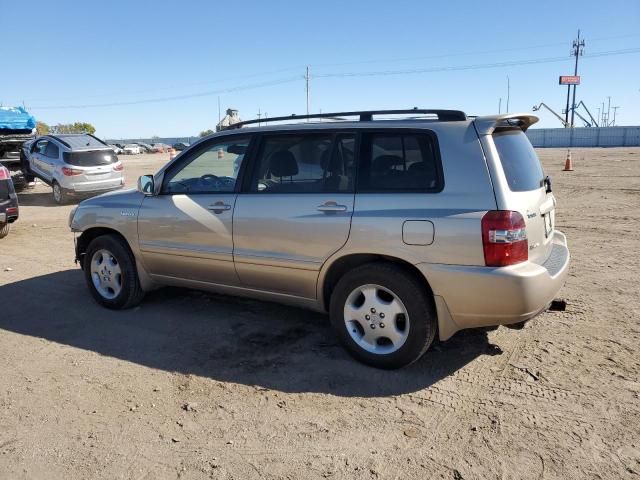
[{"x": 209, "y": 178}]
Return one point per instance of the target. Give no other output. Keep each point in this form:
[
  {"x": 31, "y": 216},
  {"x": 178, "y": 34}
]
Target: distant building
[{"x": 229, "y": 119}]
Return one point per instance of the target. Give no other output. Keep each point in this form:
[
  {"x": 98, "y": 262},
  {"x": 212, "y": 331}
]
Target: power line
[
  {"x": 362, "y": 62},
  {"x": 473, "y": 66},
  {"x": 176, "y": 97},
  {"x": 339, "y": 75}
]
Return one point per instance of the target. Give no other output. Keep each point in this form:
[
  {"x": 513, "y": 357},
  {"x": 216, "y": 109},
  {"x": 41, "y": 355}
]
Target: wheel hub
[
  {"x": 376, "y": 319},
  {"x": 106, "y": 274}
]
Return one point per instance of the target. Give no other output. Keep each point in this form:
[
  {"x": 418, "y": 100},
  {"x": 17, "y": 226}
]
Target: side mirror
[{"x": 146, "y": 184}]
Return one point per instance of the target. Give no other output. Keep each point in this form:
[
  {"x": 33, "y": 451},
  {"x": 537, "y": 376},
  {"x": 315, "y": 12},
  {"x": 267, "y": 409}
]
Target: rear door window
[
  {"x": 400, "y": 162},
  {"x": 519, "y": 160},
  {"x": 309, "y": 163}
]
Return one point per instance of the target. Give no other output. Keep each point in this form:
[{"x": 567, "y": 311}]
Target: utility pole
[
  {"x": 306, "y": 78},
  {"x": 613, "y": 123},
  {"x": 508, "y": 93},
  {"x": 578, "y": 51},
  {"x": 499, "y": 105},
  {"x": 259, "y": 116},
  {"x": 219, "y": 118},
  {"x": 608, "y": 110}
]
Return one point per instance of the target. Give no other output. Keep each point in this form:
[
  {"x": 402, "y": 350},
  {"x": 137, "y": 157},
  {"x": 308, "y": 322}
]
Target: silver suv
[
  {"x": 400, "y": 229},
  {"x": 74, "y": 165}
]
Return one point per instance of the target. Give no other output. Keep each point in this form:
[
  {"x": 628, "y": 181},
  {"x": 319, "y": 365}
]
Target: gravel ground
[{"x": 193, "y": 385}]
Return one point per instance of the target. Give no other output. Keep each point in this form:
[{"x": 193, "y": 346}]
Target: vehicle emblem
[
  {"x": 531, "y": 215},
  {"x": 125, "y": 213},
  {"x": 534, "y": 245}
]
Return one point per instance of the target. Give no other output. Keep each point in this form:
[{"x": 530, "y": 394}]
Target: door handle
[
  {"x": 219, "y": 207},
  {"x": 330, "y": 207}
]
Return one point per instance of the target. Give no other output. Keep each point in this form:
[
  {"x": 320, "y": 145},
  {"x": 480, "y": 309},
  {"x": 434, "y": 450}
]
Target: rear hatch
[
  {"x": 528, "y": 187},
  {"x": 96, "y": 165}
]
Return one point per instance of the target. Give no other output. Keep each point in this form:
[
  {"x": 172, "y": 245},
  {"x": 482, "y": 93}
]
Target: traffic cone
[{"x": 568, "y": 164}]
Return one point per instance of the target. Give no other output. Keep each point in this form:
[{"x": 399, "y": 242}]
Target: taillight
[
  {"x": 118, "y": 167},
  {"x": 71, "y": 172},
  {"x": 504, "y": 237},
  {"x": 4, "y": 173},
  {"x": 12, "y": 210}
]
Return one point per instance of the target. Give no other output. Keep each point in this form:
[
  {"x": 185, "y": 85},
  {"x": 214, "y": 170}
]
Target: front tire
[
  {"x": 4, "y": 230},
  {"x": 110, "y": 273},
  {"x": 383, "y": 315}
]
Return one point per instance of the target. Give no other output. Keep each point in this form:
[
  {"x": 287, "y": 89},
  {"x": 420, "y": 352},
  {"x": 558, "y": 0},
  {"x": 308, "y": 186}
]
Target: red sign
[{"x": 569, "y": 80}]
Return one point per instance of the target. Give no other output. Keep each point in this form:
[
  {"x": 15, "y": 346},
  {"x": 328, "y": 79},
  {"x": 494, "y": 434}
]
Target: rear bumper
[
  {"x": 88, "y": 188},
  {"x": 470, "y": 296},
  {"x": 9, "y": 217}
]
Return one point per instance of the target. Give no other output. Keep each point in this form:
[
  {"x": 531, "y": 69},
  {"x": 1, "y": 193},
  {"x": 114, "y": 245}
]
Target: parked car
[
  {"x": 116, "y": 149},
  {"x": 180, "y": 146},
  {"x": 9, "y": 209},
  {"x": 400, "y": 229},
  {"x": 132, "y": 149},
  {"x": 144, "y": 147},
  {"x": 159, "y": 148},
  {"x": 75, "y": 165}
]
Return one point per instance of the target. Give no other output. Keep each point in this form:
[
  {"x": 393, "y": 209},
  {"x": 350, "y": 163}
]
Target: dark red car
[{"x": 8, "y": 202}]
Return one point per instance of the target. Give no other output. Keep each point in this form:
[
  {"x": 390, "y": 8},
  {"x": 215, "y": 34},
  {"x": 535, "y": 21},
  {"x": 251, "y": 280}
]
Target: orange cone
[{"x": 568, "y": 164}]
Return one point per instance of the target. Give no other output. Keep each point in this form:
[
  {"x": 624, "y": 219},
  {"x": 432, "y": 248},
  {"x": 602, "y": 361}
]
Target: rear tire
[
  {"x": 4, "y": 230},
  {"x": 398, "y": 306},
  {"x": 59, "y": 194},
  {"x": 110, "y": 273}
]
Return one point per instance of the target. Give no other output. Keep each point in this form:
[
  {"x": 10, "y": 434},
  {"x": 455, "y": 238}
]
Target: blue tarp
[{"x": 16, "y": 118}]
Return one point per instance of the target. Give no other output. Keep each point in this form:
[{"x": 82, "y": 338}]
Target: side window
[
  {"x": 400, "y": 162},
  {"x": 310, "y": 163},
  {"x": 40, "y": 147},
  {"x": 52, "y": 150},
  {"x": 212, "y": 170}
]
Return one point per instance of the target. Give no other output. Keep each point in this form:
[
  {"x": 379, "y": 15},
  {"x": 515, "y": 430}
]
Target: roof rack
[{"x": 364, "y": 116}]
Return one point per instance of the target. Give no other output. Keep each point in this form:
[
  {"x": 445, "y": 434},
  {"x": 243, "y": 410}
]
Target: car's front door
[
  {"x": 37, "y": 158},
  {"x": 186, "y": 232},
  {"x": 295, "y": 210}
]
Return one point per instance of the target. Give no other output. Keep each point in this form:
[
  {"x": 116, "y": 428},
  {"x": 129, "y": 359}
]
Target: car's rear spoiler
[{"x": 486, "y": 125}]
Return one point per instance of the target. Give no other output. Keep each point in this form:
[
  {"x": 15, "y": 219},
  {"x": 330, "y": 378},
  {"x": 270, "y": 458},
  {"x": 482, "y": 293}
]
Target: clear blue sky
[{"x": 66, "y": 53}]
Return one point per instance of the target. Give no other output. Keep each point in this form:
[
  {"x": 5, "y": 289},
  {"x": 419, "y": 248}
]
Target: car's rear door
[
  {"x": 186, "y": 232},
  {"x": 295, "y": 210},
  {"x": 527, "y": 189},
  {"x": 93, "y": 169}
]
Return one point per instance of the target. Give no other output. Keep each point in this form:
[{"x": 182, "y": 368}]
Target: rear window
[
  {"x": 90, "y": 159},
  {"x": 519, "y": 161}
]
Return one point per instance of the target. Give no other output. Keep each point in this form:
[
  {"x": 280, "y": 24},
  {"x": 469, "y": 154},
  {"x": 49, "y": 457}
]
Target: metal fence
[
  {"x": 585, "y": 137},
  {"x": 165, "y": 140}
]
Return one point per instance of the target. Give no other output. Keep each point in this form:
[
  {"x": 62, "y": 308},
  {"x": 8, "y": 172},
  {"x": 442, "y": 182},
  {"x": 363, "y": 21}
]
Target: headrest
[
  {"x": 283, "y": 164},
  {"x": 385, "y": 162}
]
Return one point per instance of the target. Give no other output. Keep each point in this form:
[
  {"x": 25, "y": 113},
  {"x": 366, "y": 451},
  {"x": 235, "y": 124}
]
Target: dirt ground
[{"x": 191, "y": 385}]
